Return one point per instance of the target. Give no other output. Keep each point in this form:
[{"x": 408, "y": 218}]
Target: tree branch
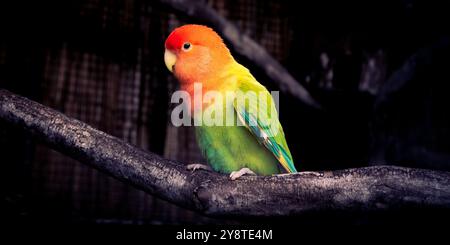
[
  {"x": 363, "y": 189},
  {"x": 244, "y": 45},
  {"x": 416, "y": 62}
]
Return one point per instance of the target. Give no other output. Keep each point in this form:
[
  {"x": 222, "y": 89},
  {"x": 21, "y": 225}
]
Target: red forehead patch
[{"x": 195, "y": 34}]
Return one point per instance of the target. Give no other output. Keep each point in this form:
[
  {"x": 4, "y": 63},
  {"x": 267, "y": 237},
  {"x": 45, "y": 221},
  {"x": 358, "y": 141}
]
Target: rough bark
[
  {"x": 245, "y": 46},
  {"x": 363, "y": 189}
]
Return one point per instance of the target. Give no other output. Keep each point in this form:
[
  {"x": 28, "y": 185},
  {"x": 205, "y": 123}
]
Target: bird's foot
[
  {"x": 243, "y": 171},
  {"x": 197, "y": 166}
]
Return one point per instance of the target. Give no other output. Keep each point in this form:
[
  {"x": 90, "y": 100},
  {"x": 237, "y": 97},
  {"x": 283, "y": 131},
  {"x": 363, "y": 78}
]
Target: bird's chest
[
  {"x": 231, "y": 148},
  {"x": 223, "y": 146},
  {"x": 215, "y": 109}
]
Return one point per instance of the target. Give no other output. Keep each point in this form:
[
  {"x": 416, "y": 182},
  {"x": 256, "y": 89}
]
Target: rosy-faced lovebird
[{"x": 254, "y": 143}]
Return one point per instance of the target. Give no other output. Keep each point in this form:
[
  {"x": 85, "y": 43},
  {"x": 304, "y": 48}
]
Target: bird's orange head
[{"x": 195, "y": 53}]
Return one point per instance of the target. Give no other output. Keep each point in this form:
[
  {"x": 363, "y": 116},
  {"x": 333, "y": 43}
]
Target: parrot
[{"x": 197, "y": 54}]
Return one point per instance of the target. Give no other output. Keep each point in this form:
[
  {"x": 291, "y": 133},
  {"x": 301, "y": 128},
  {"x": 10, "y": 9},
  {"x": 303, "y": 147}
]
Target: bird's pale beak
[{"x": 170, "y": 59}]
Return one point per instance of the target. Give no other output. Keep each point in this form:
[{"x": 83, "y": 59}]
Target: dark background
[{"x": 379, "y": 69}]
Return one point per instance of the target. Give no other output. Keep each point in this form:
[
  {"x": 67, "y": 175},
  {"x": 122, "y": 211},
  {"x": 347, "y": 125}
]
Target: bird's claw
[
  {"x": 243, "y": 171},
  {"x": 197, "y": 166}
]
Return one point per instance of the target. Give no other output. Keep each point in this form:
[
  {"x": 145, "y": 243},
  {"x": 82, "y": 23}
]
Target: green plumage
[{"x": 257, "y": 146}]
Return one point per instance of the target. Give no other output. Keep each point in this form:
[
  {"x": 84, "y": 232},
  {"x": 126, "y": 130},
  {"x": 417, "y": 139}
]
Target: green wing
[{"x": 256, "y": 110}]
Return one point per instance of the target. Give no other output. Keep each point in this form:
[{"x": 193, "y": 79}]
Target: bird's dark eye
[{"x": 186, "y": 46}]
